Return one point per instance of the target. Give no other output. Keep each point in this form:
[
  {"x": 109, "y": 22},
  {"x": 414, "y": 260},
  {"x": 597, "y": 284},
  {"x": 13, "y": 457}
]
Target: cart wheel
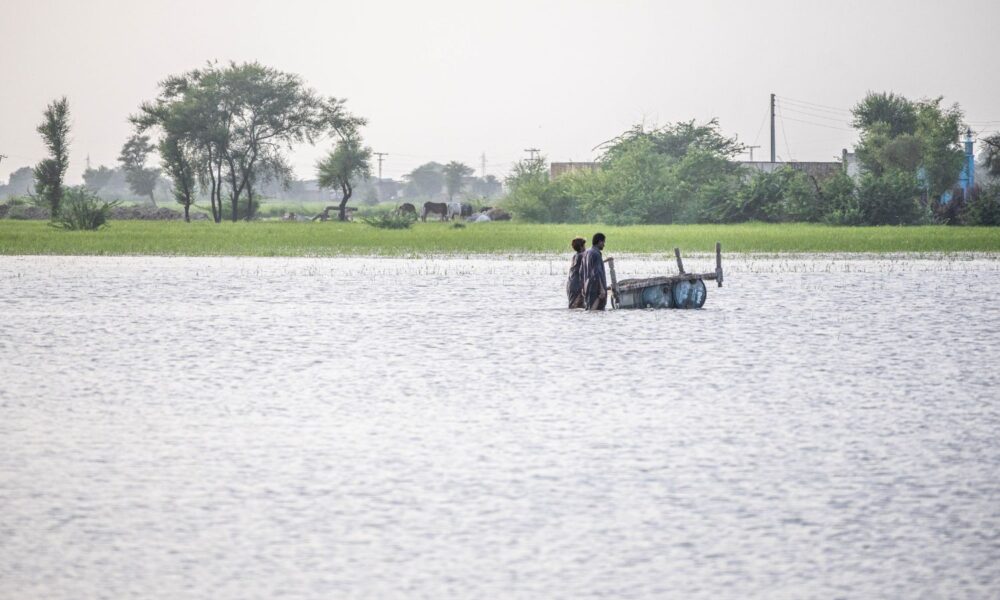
[
  {"x": 657, "y": 297},
  {"x": 689, "y": 294}
]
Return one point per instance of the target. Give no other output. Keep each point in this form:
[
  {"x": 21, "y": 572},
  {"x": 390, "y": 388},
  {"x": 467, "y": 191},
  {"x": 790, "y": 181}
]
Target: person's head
[
  {"x": 578, "y": 244},
  {"x": 598, "y": 241}
]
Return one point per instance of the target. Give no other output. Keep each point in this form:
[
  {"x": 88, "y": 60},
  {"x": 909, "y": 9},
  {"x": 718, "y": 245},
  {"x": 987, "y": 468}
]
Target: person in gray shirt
[{"x": 595, "y": 280}]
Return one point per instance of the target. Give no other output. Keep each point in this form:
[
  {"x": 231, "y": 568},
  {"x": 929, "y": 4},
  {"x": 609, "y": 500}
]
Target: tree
[
  {"x": 95, "y": 179},
  {"x": 21, "y": 182},
  {"x": 939, "y": 129},
  {"x": 426, "y": 180},
  {"x": 179, "y": 163},
  {"x": 454, "y": 176},
  {"x": 49, "y": 173},
  {"x": 141, "y": 180},
  {"x": 238, "y": 121},
  {"x": 991, "y": 155},
  {"x": 349, "y": 161},
  {"x": 894, "y": 111},
  {"x": 917, "y": 138}
]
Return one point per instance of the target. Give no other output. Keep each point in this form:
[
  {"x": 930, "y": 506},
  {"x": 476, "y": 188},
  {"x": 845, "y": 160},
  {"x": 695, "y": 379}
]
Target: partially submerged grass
[{"x": 336, "y": 238}]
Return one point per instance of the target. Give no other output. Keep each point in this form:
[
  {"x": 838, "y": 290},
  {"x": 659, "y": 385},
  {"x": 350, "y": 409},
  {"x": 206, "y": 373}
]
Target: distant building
[
  {"x": 558, "y": 169},
  {"x": 817, "y": 170}
]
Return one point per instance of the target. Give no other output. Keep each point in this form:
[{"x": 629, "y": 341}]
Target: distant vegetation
[
  {"x": 221, "y": 133},
  {"x": 205, "y": 238},
  {"x": 909, "y": 152}
]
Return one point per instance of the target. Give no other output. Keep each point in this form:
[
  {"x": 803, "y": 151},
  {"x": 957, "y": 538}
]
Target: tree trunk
[
  {"x": 218, "y": 190},
  {"x": 346, "y": 189},
  {"x": 187, "y": 212},
  {"x": 249, "y": 214},
  {"x": 152, "y": 200}
]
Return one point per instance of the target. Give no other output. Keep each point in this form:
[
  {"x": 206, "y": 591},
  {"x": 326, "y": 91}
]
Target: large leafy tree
[
  {"x": 49, "y": 173},
  {"x": 341, "y": 168},
  {"x": 141, "y": 179},
  {"x": 681, "y": 172},
  {"x": 893, "y": 111},
  {"x": 426, "y": 180},
  {"x": 238, "y": 121},
  {"x": 915, "y": 138},
  {"x": 454, "y": 177},
  {"x": 20, "y": 182},
  {"x": 95, "y": 179}
]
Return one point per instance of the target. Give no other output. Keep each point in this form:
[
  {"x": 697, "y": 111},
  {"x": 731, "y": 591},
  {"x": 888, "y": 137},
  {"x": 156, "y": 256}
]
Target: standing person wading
[
  {"x": 574, "y": 285},
  {"x": 595, "y": 280}
]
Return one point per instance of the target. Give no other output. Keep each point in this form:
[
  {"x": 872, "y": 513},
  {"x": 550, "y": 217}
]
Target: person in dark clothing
[
  {"x": 574, "y": 285},
  {"x": 595, "y": 280}
]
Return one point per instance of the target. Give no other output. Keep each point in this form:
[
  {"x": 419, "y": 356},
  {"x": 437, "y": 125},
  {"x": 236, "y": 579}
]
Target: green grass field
[{"x": 333, "y": 239}]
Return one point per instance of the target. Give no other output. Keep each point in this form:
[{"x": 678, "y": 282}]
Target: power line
[
  {"x": 826, "y": 117},
  {"x": 784, "y": 134},
  {"x": 532, "y": 153},
  {"x": 761, "y": 128},
  {"x": 816, "y": 104},
  {"x": 817, "y": 124}
]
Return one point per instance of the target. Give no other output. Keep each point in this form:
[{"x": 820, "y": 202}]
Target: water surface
[{"x": 316, "y": 428}]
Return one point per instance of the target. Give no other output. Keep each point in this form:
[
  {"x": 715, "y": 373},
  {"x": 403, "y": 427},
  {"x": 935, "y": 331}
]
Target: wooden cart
[{"x": 685, "y": 290}]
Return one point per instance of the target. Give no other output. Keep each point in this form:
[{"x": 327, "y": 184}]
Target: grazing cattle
[
  {"x": 434, "y": 208},
  {"x": 454, "y": 210},
  {"x": 466, "y": 209},
  {"x": 406, "y": 209}
]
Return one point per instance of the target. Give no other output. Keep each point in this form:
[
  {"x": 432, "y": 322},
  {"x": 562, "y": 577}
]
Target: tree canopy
[
  {"x": 918, "y": 138},
  {"x": 348, "y": 162},
  {"x": 141, "y": 179},
  {"x": 454, "y": 177},
  {"x": 49, "y": 173},
  {"x": 235, "y": 123}
]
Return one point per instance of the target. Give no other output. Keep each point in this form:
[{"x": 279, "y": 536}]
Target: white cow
[{"x": 454, "y": 210}]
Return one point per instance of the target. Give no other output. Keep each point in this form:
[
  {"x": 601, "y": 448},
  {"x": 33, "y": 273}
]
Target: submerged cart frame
[{"x": 685, "y": 290}]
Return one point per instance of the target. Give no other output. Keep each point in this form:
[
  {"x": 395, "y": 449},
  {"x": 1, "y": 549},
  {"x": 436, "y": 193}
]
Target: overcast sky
[{"x": 454, "y": 80}]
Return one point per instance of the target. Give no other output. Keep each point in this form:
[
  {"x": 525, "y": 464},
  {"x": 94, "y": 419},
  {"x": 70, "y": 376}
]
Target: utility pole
[
  {"x": 88, "y": 162},
  {"x": 773, "y": 159},
  {"x": 2, "y": 156},
  {"x": 482, "y": 166},
  {"x": 381, "y": 156},
  {"x": 532, "y": 153},
  {"x": 750, "y": 148}
]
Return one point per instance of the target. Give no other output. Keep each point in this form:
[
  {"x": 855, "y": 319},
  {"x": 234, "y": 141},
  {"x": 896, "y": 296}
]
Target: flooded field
[{"x": 327, "y": 428}]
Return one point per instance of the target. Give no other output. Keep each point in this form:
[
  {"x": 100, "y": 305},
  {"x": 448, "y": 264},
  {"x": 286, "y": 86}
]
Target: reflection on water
[{"x": 318, "y": 428}]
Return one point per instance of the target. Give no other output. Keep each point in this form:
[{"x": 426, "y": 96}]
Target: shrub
[
  {"x": 241, "y": 210},
  {"x": 890, "y": 199},
  {"x": 983, "y": 208},
  {"x": 391, "y": 220},
  {"x": 81, "y": 209},
  {"x": 839, "y": 201}
]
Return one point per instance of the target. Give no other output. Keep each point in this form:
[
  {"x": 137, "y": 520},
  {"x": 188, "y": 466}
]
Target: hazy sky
[{"x": 453, "y": 80}]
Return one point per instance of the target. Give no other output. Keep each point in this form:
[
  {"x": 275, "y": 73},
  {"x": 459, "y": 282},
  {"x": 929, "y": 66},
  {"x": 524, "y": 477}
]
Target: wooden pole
[
  {"x": 718, "y": 263},
  {"x": 680, "y": 264},
  {"x": 614, "y": 282}
]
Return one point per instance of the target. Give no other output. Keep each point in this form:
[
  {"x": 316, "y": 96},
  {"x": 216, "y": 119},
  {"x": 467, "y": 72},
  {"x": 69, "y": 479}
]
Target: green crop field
[{"x": 334, "y": 238}]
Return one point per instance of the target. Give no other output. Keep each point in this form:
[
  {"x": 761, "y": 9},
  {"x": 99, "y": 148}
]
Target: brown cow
[
  {"x": 438, "y": 208},
  {"x": 406, "y": 209}
]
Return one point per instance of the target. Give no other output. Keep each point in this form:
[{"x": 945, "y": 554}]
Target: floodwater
[{"x": 374, "y": 428}]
